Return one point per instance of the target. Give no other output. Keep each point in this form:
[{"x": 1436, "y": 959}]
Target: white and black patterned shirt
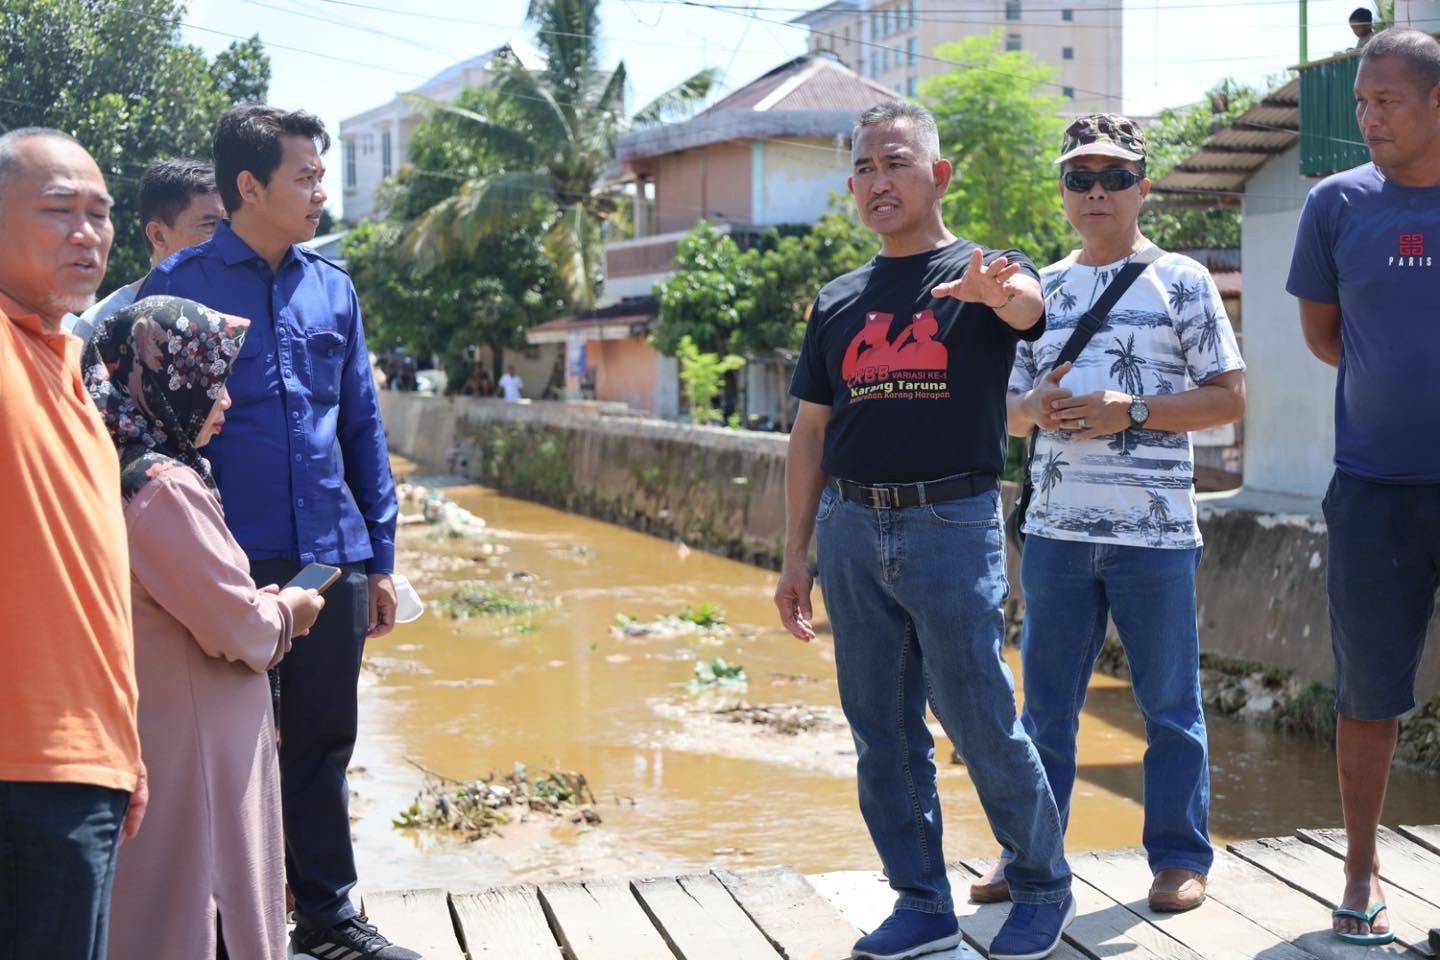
[{"x": 1168, "y": 332}]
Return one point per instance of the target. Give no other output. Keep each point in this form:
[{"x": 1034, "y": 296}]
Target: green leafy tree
[
  {"x": 999, "y": 124},
  {"x": 546, "y": 138},
  {"x": 1181, "y": 224},
  {"x": 115, "y": 75},
  {"x": 445, "y": 307},
  {"x": 700, "y": 301},
  {"x": 703, "y": 375}
]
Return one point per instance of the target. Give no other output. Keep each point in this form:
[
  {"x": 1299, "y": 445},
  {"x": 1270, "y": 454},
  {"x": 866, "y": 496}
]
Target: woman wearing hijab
[{"x": 204, "y": 637}]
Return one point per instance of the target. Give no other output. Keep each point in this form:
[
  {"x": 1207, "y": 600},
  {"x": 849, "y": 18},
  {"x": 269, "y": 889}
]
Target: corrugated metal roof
[{"x": 1231, "y": 156}]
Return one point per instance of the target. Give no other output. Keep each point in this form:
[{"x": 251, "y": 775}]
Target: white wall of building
[
  {"x": 1289, "y": 416},
  {"x": 793, "y": 180}
]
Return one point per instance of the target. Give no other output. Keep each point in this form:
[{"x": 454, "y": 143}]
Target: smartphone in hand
[{"x": 315, "y": 576}]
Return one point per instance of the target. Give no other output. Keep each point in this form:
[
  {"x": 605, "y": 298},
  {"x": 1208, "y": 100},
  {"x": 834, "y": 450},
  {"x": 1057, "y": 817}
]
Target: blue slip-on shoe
[
  {"x": 1032, "y": 931},
  {"x": 908, "y": 933}
]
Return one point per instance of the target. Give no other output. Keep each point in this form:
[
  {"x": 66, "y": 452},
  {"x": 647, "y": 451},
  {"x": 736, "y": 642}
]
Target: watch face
[{"x": 1139, "y": 412}]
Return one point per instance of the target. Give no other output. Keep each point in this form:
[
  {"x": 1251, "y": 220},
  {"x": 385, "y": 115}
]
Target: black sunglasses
[{"x": 1080, "y": 181}]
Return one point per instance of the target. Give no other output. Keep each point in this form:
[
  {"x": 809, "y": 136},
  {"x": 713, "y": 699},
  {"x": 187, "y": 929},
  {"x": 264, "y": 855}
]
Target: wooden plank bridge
[{"x": 1268, "y": 899}]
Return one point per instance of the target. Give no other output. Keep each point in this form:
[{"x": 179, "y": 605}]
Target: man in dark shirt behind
[
  {"x": 893, "y": 466},
  {"x": 304, "y": 472}
]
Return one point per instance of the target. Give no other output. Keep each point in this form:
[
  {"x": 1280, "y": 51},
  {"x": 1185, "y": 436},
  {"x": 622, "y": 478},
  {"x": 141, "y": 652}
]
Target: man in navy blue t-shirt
[
  {"x": 892, "y": 467},
  {"x": 1365, "y": 270}
]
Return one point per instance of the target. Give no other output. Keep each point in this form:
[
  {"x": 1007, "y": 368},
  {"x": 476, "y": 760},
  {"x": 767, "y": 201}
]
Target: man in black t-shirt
[{"x": 893, "y": 465}]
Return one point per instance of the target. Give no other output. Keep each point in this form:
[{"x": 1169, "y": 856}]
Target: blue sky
[{"x": 340, "y": 57}]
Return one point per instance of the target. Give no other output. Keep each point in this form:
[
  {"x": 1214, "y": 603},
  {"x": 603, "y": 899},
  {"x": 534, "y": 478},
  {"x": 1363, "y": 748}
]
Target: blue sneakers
[
  {"x": 908, "y": 933},
  {"x": 1032, "y": 931}
]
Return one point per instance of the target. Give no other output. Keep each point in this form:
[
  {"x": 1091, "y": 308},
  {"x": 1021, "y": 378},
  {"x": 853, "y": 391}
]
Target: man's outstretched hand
[{"x": 993, "y": 285}]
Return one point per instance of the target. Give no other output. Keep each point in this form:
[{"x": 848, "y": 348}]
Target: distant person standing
[
  {"x": 1365, "y": 274},
  {"x": 1362, "y": 24},
  {"x": 511, "y": 384},
  {"x": 305, "y": 476},
  {"x": 71, "y": 780},
  {"x": 179, "y": 207}
]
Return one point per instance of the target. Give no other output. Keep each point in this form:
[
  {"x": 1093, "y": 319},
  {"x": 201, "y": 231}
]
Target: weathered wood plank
[
  {"x": 1318, "y": 873},
  {"x": 700, "y": 920},
  {"x": 601, "y": 920},
  {"x": 1105, "y": 928},
  {"x": 865, "y": 899},
  {"x": 979, "y": 922},
  {"x": 1290, "y": 914},
  {"x": 862, "y": 896},
  {"x": 1402, "y": 863},
  {"x": 1427, "y": 837},
  {"x": 798, "y": 921},
  {"x": 1213, "y": 930},
  {"x": 504, "y": 922},
  {"x": 418, "y": 919}
]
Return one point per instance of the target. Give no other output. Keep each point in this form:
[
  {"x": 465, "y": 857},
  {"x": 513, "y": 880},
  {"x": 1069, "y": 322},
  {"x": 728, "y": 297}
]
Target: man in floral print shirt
[{"x": 1111, "y": 529}]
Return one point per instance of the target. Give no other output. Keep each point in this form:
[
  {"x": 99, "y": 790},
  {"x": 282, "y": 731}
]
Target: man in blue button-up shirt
[{"x": 305, "y": 476}]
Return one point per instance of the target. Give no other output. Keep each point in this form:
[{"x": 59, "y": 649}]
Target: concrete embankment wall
[{"x": 1261, "y": 586}]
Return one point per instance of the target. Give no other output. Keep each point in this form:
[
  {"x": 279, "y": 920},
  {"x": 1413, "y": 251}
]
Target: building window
[
  {"x": 874, "y": 25},
  {"x": 1012, "y": 41},
  {"x": 1012, "y": 9},
  {"x": 912, "y": 51},
  {"x": 847, "y": 36},
  {"x": 1067, "y": 53},
  {"x": 889, "y": 21},
  {"x": 1068, "y": 93},
  {"x": 912, "y": 86},
  {"x": 912, "y": 13},
  {"x": 1067, "y": 14},
  {"x": 874, "y": 64},
  {"x": 385, "y": 164},
  {"x": 349, "y": 151}
]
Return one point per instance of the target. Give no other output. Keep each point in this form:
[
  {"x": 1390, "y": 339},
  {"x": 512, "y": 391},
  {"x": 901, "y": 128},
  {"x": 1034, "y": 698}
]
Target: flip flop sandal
[{"x": 1364, "y": 939}]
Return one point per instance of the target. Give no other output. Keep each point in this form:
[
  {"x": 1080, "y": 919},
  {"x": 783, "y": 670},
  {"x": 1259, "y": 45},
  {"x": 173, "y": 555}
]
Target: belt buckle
[{"x": 881, "y": 498}]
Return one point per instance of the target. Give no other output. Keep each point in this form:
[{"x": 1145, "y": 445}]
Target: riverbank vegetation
[{"x": 475, "y": 809}]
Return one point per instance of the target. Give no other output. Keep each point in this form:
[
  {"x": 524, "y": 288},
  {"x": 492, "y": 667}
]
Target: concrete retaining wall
[{"x": 1261, "y": 587}]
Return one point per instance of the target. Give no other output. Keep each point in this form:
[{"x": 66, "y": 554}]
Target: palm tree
[
  {"x": 1181, "y": 295},
  {"x": 551, "y": 134},
  {"x": 1126, "y": 367},
  {"x": 1158, "y": 515},
  {"x": 1120, "y": 443},
  {"x": 1163, "y": 384},
  {"x": 1068, "y": 300},
  {"x": 1210, "y": 332},
  {"x": 1050, "y": 474}
]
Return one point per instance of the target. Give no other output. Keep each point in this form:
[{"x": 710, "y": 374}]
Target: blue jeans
[
  {"x": 914, "y": 597},
  {"x": 1070, "y": 586},
  {"x": 57, "y": 862}
]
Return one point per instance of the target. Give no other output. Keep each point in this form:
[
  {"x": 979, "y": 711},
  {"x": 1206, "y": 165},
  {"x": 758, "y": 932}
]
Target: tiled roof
[
  {"x": 1231, "y": 156},
  {"x": 806, "y": 83}
]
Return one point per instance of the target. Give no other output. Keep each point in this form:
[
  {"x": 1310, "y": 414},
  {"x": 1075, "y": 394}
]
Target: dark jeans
[
  {"x": 317, "y": 720},
  {"x": 57, "y": 862}
]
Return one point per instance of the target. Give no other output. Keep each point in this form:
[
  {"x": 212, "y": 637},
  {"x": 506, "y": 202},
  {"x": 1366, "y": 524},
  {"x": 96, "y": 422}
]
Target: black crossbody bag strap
[{"x": 1085, "y": 328}]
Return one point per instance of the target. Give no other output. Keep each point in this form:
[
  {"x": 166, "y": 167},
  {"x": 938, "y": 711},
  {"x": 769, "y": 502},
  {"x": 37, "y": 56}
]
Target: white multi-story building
[
  {"x": 375, "y": 143},
  {"x": 893, "y": 41}
]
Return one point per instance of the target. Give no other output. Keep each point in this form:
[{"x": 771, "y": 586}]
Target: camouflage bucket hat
[{"x": 1103, "y": 134}]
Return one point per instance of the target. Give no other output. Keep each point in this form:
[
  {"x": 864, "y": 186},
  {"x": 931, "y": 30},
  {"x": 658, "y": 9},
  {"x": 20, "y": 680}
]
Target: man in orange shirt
[{"x": 71, "y": 780}]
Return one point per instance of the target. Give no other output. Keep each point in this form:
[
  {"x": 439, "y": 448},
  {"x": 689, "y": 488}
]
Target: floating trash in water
[
  {"x": 478, "y": 808},
  {"x": 481, "y": 600}
]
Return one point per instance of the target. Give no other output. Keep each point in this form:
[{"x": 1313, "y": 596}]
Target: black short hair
[
  {"x": 248, "y": 138},
  {"x": 167, "y": 187},
  {"x": 1362, "y": 15},
  {"x": 1419, "y": 50}
]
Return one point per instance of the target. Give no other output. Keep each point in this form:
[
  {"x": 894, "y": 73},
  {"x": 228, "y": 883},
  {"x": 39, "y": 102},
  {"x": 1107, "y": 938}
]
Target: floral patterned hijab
[{"x": 155, "y": 370}]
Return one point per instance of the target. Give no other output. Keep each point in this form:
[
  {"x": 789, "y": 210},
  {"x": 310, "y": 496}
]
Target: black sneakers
[{"x": 353, "y": 939}]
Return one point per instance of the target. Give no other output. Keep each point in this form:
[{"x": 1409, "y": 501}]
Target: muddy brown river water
[{"x": 676, "y": 786}]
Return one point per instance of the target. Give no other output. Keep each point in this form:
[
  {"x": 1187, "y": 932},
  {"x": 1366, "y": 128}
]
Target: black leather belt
[{"x": 916, "y": 494}]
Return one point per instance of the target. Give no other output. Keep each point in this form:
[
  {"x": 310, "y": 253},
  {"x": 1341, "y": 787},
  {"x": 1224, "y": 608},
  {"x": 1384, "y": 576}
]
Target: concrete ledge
[{"x": 1261, "y": 587}]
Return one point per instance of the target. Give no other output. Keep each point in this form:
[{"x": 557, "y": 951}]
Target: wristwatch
[{"x": 1139, "y": 412}]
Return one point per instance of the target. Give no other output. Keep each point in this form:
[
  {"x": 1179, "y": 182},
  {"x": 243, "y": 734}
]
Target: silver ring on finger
[{"x": 1080, "y": 424}]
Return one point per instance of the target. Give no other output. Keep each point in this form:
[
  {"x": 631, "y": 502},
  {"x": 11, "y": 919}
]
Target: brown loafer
[
  {"x": 991, "y": 888},
  {"x": 1176, "y": 890}
]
